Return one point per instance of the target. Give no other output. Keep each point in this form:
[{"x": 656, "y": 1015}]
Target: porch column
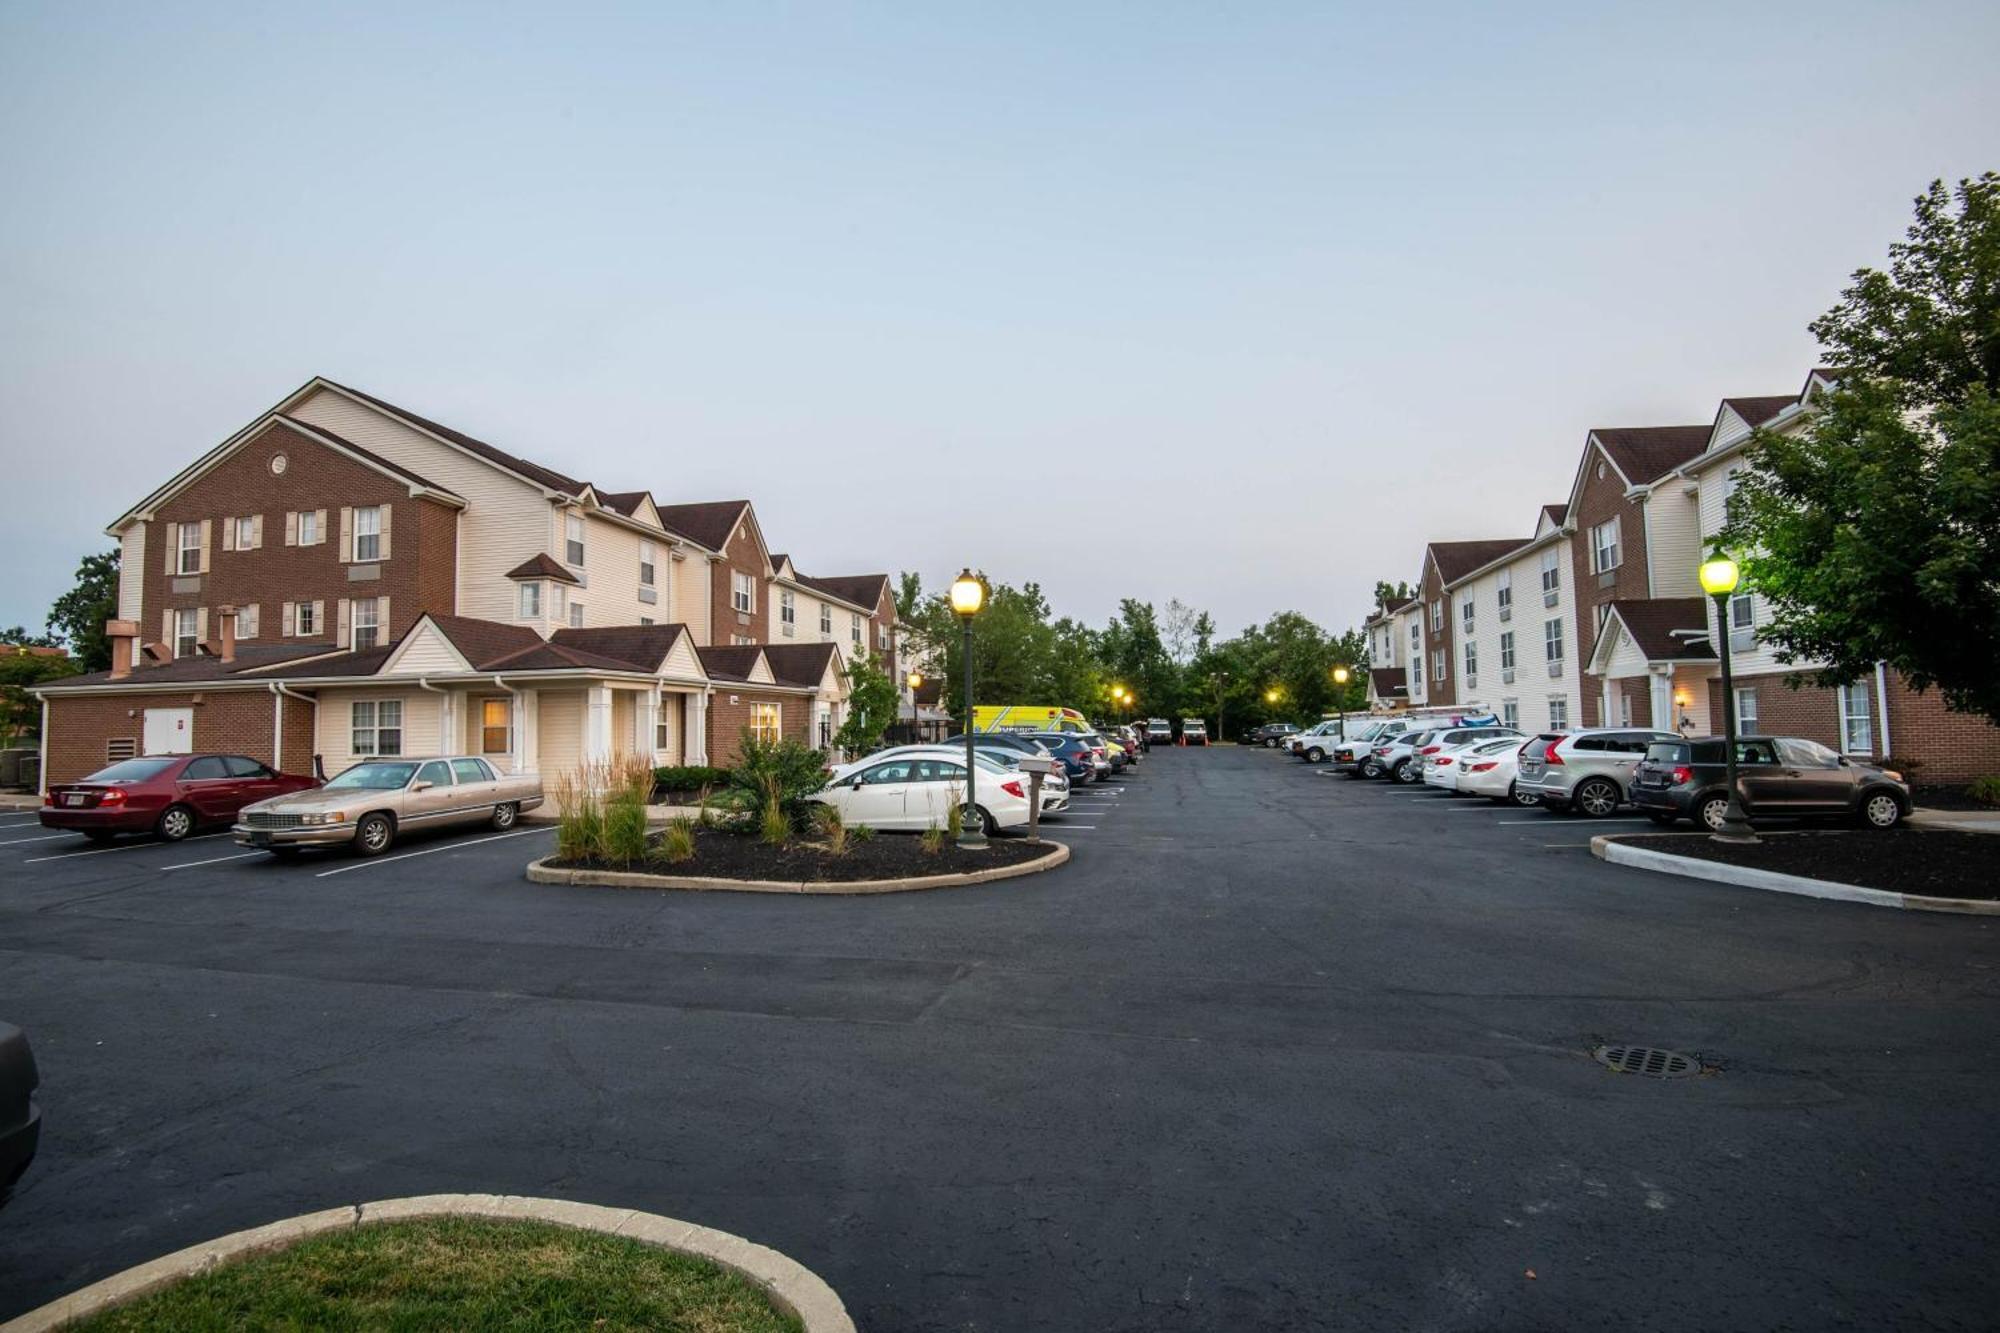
[
  {"x": 1661, "y": 681},
  {"x": 597, "y": 724},
  {"x": 531, "y": 731},
  {"x": 694, "y": 741},
  {"x": 645, "y": 718}
]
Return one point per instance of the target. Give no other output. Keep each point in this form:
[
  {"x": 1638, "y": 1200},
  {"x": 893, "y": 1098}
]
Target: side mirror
[
  {"x": 1841, "y": 760},
  {"x": 858, "y": 780}
]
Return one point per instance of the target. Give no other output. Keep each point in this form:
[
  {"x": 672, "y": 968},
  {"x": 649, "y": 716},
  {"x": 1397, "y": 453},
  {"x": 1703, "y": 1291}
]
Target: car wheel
[
  {"x": 505, "y": 814},
  {"x": 1881, "y": 811},
  {"x": 1712, "y": 811},
  {"x": 373, "y": 834},
  {"x": 1371, "y": 767},
  {"x": 1597, "y": 797},
  {"x": 1662, "y": 818},
  {"x": 1315, "y": 755},
  {"x": 1405, "y": 772},
  {"x": 1523, "y": 798},
  {"x": 175, "y": 823}
]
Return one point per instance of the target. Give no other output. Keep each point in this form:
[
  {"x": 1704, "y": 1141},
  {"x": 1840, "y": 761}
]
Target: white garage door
[{"x": 169, "y": 731}]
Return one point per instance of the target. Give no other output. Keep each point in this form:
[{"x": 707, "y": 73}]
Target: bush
[
  {"x": 861, "y": 832},
  {"x": 933, "y": 839},
  {"x": 832, "y": 829},
  {"x": 601, "y": 812},
  {"x": 579, "y": 818},
  {"x": 780, "y": 775},
  {"x": 1985, "y": 790},
  {"x": 677, "y": 841},
  {"x": 689, "y": 777},
  {"x": 628, "y": 787}
]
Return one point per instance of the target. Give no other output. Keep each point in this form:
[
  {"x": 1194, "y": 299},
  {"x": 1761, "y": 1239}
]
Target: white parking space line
[
  {"x": 1544, "y": 823},
  {"x": 428, "y": 851},
  {"x": 128, "y": 847},
  {"x": 15, "y": 842},
  {"x": 211, "y": 861}
]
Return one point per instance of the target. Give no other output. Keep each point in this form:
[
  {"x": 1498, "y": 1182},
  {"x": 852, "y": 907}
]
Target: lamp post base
[
  {"x": 976, "y": 842},
  {"x": 1735, "y": 826}
]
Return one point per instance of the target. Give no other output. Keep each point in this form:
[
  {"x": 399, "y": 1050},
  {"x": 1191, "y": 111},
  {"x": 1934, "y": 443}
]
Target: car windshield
[
  {"x": 373, "y": 777},
  {"x": 132, "y": 770},
  {"x": 1667, "y": 752}
]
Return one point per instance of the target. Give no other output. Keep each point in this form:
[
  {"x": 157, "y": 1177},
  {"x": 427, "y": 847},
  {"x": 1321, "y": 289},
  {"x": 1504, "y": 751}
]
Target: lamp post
[
  {"x": 913, "y": 680},
  {"x": 1719, "y": 577},
  {"x": 1341, "y": 675},
  {"x": 968, "y": 595}
]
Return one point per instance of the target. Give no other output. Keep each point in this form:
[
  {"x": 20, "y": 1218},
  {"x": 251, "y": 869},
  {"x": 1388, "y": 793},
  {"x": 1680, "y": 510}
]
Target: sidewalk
[{"x": 1958, "y": 821}]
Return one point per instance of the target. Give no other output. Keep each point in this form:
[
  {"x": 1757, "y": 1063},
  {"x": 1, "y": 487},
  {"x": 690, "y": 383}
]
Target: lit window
[
  {"x": 573, "y": 539},
  {"x": 764, "y": 723},
  {"x": 368, "y": 533},
  {"x": 496, "y": 726},
  {"x": 367, "y": 624},
  {"x": 377, "y": 726},
  {"x": 531, "y": 601}
]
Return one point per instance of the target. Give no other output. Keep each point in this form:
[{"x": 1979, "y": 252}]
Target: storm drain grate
[{"x": 1648, "y": 1060}]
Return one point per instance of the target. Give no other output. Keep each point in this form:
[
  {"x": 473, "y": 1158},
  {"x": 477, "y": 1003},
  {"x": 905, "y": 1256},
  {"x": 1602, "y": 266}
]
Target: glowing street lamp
[
  {"x": 1341, "y": 675},
  {"x": 968, "y": 596},
  {"x": 1719, "y": 577},
  {"x": 913, "y": 680}
]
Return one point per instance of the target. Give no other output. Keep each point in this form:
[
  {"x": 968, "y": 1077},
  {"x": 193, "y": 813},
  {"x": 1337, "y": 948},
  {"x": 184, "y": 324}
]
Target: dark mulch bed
[
  {"x": 1946, "y": 798},
  {"x": 721, "y": 854},
  {"x": 1933, "y": 862}
]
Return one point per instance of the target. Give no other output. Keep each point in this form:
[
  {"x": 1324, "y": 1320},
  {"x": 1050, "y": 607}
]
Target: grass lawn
[{"x": 459, "y": 1273}]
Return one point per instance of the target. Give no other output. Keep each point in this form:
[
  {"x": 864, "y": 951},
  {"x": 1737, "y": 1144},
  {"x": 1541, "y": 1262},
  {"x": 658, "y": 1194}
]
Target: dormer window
[{"x": 531, "y": 601}]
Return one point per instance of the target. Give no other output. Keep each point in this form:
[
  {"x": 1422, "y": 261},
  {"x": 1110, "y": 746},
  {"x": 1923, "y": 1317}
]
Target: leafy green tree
[
  {"x": 20, "y": 636},
  {"x": 1389, "y": 596},
  {"x": 78, "y": 615},
  {"x": 1873, "y": 532},
  {"x": 20, "y": 671},
  {"x": 872, "y": 699}
]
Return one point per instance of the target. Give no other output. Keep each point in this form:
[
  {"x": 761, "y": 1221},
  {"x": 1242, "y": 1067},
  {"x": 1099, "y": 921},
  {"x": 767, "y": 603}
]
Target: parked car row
[
  {"x": 1596, "y": 771},
  {"x": 364, "y": 808}
]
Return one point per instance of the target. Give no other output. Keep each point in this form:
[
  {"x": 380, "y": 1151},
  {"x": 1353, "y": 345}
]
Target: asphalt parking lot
[{"x": 1274, "y": 1051}]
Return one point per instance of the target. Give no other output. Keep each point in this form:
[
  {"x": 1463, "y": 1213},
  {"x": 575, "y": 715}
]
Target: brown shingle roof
[
  {"x": 1557, "y": 513},
  {"x": 708, "y": 523},
  {"x": 540, "y": 656},
  {"x": 1388, "y": 682},
  {"x": 1653, "y": 620},
  {"x": 1457, "y": 559},
  {"x": 1757, "y": 411},
  {"x": 480, "y": 641},
  {"x": 248, "y": 657},
  {"x": 734, "y": 662},
  {"x": 535, "y": 472},
  {"x": 860, "y": 589},
  {"x": 799, "y": 663},
  {"x": 1647, "y": 453},
  {"x": 623, "y": 502},
  {"x": 541, "y": 566},
  {"x": 643, "y": 647}
]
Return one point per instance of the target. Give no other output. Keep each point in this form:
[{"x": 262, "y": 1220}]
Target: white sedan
[
  {"x": 1446, "y": 768},
  {"x": 914, "y": 788},
  {"x": 1489, "y": 769}
]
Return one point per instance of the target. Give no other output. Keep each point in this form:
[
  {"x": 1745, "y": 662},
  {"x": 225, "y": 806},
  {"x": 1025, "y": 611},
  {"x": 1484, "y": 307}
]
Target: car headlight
[
  {"x": 1892, "y": 775},
  {"x": 329, "y": 817}
]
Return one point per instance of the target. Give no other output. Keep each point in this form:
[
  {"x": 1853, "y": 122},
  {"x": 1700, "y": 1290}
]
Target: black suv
[
  {"x": 1775, "y": 775},
  {"x": 1272, "y": 735}
]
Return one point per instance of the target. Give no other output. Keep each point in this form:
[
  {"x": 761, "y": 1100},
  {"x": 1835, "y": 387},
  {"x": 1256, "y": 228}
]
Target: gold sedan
[{"x": 368, "y": 804}]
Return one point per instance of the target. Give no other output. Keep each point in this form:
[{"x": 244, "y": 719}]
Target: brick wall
[
  {"x": 1600, "y": 500},
  {"x": 1437, "y": 691},
  {"x": 1939, "y": 746},
  {"x": 228, "y": 721},
  {"x": 727, "y": 720},
  {"x": 419, "y": 575},
  {"x": 744, "y": 555}
]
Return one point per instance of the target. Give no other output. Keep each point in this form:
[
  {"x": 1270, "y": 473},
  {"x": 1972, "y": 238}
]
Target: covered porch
[{"x": 1655, "y": 661}]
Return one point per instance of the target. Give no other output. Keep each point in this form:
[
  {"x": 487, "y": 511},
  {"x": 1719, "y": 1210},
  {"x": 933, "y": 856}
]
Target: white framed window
[
  {"x": 496, "y": 726},
  {"x": 1507, "y": 651},
  {"x": 742, "y": 591},
  {"x": 1605, "y": 555},
  {"x": 376, "y": 727},
  {"x": 825, "y": 619},
  {"x": 246, "y": 621},
  {"x": 1552, "y": 645},
  {"x": 1471, "y": 664},
  {"x": 1624, "y": 709},
  {"x": 187, "y": 631},
  {"x": 882, "y": 639},
  {"x": 1746, "y": 710},
  {"x": 645, "y": 620},
  {"x": 1505, "y": 595},
  {"x": 366, "y": 623},
  {"x": 1437, "y": 616},
  {"x": 1857, "y": 736},
  {"x": 575, "y": 614},
  {"x": 1558, "y": 713},
  {"x": 246, "y": 534},
  {"x": 573, "y": 539},
  {"x": 190, "y": 548},
  {"x": 531, "y": 601},
  {"x": 854, "y": 628},
  {"x": 1416, "y": 640},
  {"x": 1465, "y": 613},
  {"x": 306, "y": 619},
  {"x": 1416, "y": 670},
  {"x": 1551, "y": 576},
  {"x": 663, "y": 722},
  {"x": 741, "y": 640},
  {"x": 788, "y": 610},
  {"x": 648, "y": 562},
  {"x": 1742, "y": 623},
  {"x": 1437, "y": 664},
  {"x": 1510, "y": 713},
  {"x": 765, "y": 722},
  {"x": 367, "y": 533},
  {"x": 308, "y": 520}
]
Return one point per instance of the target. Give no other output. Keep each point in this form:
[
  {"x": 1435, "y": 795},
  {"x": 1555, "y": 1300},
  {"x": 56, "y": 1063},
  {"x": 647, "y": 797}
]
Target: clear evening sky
[{"x": 1238, "y": 304}]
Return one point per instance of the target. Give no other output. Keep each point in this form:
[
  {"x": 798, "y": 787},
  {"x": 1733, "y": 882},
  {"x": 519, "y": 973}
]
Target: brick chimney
[
  {"x": 124, "y": 636},
  {"x": 227, "y": 616}
]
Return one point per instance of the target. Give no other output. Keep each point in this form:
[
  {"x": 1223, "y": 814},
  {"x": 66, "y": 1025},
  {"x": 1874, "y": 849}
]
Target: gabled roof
[
  {"x": 1756, "y": 411},
  {"x": 1556, "y": 513},
  {"x": 862, "y": 590},
  {"x": 552, "y": 656},
  {"x": 1646, "y": 453},
  {"x": 542, "y": 566},
  {"x": 1652, "y": 622},
  {"x": 736, "y": 662},
  {"x": 803, "y": 664},
  {"x": 535, "y": 472},
  {"x": 479, "y": 641},
  {"x": 708, "y": 523},
  {"x": 643, "y": 647},
  {"x": 1457, "y": 559},
  {"x": 374, "y": 460},
  {"x": 638, "y": 505}
]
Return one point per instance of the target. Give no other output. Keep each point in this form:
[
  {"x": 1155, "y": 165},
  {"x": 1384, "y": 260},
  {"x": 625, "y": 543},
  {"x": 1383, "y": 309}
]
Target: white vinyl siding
[
  {"x": 132, "y": 572},
  {"x": 1673, "y": 543},
  {"x": 559, "y": 732},
  {"x": 417, "y": 710}
]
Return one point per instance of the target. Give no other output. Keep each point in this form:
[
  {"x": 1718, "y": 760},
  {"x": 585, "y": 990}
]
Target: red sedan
[{"x": 168, "y": 794}]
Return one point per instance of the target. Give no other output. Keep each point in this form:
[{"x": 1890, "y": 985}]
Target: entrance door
[{"x": 169, "y": 731}]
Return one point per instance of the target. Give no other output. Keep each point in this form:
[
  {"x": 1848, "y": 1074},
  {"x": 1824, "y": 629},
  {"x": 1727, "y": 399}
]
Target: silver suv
[{"x": 1586, "y": 771}]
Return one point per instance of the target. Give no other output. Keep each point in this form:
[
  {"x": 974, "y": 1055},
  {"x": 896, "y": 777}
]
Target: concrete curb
[
  {"x": 789, "y": 1285},
  {"x": 541, "y": 872},
  {"x": 1957, "y": 821},
  {"x": 1606, "y": 847}
]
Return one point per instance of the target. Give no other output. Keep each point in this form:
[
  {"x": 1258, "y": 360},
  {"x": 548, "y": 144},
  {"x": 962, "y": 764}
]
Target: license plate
[
  {"x": 73, "y": 798},
  {"x": 260, "y": 840}
]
